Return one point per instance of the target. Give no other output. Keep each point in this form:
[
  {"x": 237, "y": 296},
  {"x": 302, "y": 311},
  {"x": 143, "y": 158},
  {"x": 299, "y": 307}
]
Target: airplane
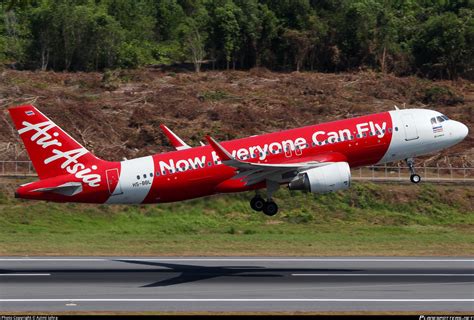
[{"x": 316, "y": 158}]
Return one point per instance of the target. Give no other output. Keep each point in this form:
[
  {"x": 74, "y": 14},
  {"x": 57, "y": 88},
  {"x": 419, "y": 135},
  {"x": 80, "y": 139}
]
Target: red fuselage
[{"x": 69, "y": 173}]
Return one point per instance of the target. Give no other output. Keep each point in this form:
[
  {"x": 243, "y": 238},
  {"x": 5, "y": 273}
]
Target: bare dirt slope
[{"x": 117, "y": 114}]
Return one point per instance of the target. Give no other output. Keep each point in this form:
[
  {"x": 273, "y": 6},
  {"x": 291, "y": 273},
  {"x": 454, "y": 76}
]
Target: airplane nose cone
[{"x": 463, "y": 131}]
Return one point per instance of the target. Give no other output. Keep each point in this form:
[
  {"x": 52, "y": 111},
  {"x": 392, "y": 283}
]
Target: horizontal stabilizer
[{"x": 66, "y": 189}]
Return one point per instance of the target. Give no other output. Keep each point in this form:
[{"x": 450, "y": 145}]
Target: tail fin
[{"x": 52, "y": 151}]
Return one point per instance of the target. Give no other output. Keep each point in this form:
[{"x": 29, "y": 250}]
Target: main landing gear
[
  {"x": 269, "y": 207},
  {"x": 411, "y": 166}
]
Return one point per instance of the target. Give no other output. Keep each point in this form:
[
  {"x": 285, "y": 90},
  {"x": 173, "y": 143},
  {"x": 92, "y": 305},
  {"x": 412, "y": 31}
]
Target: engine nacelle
[{"x": 332, "y": 177}]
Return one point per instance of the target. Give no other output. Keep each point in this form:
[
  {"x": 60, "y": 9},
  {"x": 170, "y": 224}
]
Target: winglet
[
  {"x": 223, "y": 154},
  {"x": 176, "y": 141}
]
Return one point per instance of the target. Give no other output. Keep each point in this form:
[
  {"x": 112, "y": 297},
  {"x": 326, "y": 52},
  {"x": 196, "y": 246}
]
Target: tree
[
  {"x": 317, "y": 30},
  {"x": 14, "y": 33},
  {"x": 442, "y": 41},
  {"x": 431, "y": 37},
  {"x": 194, "y": 37},
  {"x": 267, "y": 31},
  {"x": 357, "y": 34},
  {"x": 69, "y": 36},
  {"x": 258, "y": 29},
  {"x": 300, "y": 42},
  {"x": 169, "y": 17},
  {"x": 44, "y": 34},
  {"x": 228, "y": 29}
]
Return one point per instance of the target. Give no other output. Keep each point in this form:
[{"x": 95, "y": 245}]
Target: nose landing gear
[
  {"x": 411, "y": 166},
  {"x": 415, "y": 178}
]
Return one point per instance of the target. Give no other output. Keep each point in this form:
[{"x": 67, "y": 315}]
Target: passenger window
[
  {"x": 157, "y": 173},
  {"x": 209, "y": 163},
  {"x": 138, "y": 177},
  {"x": 396, "y": 128},
  {"x": 144, "y": 176},
  {"x": 151, "y": 175}
]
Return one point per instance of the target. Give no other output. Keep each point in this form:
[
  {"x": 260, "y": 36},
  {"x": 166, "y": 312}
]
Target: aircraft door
[
  {"x": 409, "y": 126},
  {"x": 113, "y": 182}
]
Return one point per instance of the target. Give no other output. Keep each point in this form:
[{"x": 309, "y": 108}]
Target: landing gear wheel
[
  {"x": 257, "y": 203},
  {"x": 270, "y": 208},
  {"x": 411, "y": 166},
  {"x": 415, "y": 178}
]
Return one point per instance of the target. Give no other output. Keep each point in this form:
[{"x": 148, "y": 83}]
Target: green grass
[{"x": 368, "y": 219}]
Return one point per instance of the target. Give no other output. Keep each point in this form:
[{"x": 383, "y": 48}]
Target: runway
[{"x": 236, "y": 284}]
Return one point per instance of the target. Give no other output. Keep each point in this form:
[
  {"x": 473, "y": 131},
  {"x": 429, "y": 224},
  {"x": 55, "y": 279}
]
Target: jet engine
[{"x": 332, "y": 177}]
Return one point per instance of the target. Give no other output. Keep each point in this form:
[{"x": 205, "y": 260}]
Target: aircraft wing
[
  {"x": 252, "y": 173},
  {"x": 176, "y": 141}
]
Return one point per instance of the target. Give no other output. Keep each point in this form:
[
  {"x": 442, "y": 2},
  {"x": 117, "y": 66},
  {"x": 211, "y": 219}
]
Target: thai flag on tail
[{"x": 438, "y": 129}]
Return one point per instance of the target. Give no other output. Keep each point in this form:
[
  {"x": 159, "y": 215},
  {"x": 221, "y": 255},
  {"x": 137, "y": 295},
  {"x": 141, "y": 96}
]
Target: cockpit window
[
  {"x": 444, "y": 117},
  {"x": 433, "y": 120},
  {"x": 439, "y": 119}
]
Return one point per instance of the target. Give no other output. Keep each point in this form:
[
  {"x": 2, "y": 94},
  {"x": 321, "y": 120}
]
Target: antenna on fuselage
[{"x": 403, "y": 107}]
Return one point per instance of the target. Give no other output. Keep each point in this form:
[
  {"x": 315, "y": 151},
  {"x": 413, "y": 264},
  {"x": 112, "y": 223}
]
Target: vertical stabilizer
[{"x": 52, "y": 151}]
